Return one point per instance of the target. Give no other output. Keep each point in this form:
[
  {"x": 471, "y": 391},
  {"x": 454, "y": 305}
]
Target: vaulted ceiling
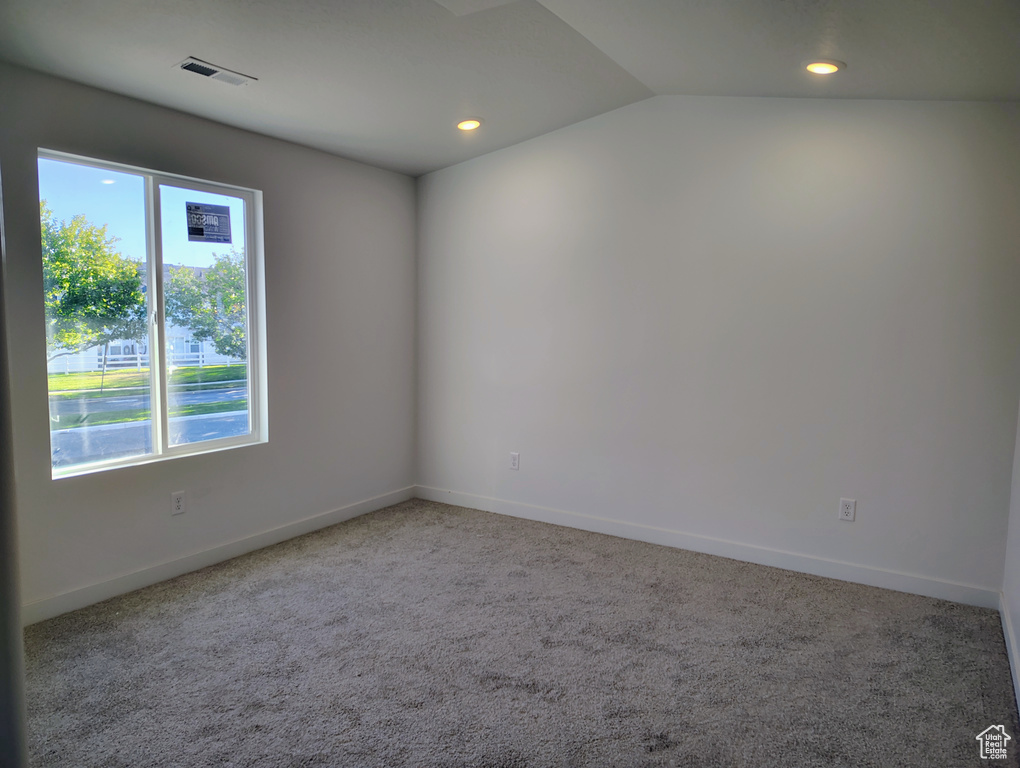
[{"x": 384, "y": 81}]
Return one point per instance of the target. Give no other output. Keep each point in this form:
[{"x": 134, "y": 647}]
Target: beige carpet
[{"x": 430, "y": 635}]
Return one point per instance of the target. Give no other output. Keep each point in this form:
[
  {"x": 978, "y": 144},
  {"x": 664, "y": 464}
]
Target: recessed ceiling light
[
  {"x": 470, "y": 124},
  {"x": 109, "y": 181},
  {"x": 824, "y": 66}
]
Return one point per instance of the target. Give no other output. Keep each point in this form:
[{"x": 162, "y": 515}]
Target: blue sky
[{"x": 117, "y": 199}]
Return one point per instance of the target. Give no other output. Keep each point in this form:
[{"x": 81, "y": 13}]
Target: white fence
[{"x": 92, "y": 360}]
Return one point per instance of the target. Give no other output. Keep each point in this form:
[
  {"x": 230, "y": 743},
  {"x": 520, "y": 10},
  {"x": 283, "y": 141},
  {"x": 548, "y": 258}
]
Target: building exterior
[{"x": 182, "y": 350}]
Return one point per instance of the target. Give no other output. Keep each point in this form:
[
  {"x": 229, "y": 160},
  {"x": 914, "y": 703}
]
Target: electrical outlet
[
  {"x": 515, "y": 460},
  {"x": 178, "y": 503},
  {"x": 847, "y": 509}
]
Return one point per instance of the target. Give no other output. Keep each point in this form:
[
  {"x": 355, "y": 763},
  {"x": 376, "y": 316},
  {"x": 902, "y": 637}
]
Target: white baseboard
[
  {"x": 55, "y": 605},
  {"x": 793, "y": 561},
  {"x": 1012, "y": 650}
]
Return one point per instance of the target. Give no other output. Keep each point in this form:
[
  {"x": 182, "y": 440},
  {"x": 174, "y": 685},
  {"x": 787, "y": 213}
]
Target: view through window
[{"x": 151, "y": 302}]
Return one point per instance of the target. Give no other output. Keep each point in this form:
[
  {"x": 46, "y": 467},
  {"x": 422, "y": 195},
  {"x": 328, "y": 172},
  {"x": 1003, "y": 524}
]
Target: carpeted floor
[{"x": 430, "y": 635}]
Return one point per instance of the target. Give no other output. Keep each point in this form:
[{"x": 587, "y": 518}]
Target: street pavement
[{"x": 134, "y": 438}]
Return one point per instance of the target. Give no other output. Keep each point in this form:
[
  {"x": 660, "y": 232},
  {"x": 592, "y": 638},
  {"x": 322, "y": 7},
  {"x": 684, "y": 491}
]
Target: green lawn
[
  {"x": 138, "y": 414},
  {"x": 121, "y": 383},
  {"x": 196, "y": 375},
  {"x": 122, "y": 378}
]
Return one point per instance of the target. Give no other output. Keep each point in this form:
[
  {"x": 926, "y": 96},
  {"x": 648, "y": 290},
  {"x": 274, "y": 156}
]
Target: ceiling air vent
[{"x": 205, "y": 69}]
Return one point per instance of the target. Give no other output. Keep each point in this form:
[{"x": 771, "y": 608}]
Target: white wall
[
  {"x": 703, "y": 320},
  {"x": 700, "y": 320},
  {"x": 1010, "y": 606},
  {"x": 340, "y": 276}
]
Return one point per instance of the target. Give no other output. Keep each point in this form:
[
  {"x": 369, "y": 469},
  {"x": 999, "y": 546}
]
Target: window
[{"x": 153, "y": 295}]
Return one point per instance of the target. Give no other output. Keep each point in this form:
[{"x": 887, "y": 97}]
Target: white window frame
[{"x": 258, "y": 416}]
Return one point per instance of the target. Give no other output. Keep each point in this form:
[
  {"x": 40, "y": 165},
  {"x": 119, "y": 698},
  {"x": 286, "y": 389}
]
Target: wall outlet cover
[
  {"x": 178, "y": 503},
  {"x": 847, "y": 510}
]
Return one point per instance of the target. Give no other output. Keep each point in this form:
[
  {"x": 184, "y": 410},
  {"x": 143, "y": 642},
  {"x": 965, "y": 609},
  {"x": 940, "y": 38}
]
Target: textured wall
[
  {"x": 704, "y": 320},
  {"x": 339, "y": 244}
]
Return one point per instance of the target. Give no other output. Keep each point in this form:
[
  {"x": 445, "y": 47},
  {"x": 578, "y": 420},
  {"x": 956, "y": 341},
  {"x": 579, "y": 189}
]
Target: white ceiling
[
  {"x": 384, "y": 81},
  {"x": 895, "y": 49}
]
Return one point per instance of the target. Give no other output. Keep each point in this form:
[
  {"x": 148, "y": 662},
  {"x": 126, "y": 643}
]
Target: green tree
[
  {"x": 212, "y": 303},
  {"x": 93, "y": 294}
]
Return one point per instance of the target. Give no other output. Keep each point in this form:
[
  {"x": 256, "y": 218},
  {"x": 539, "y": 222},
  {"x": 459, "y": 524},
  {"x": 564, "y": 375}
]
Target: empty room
[{"x": 510, "y": 383}]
